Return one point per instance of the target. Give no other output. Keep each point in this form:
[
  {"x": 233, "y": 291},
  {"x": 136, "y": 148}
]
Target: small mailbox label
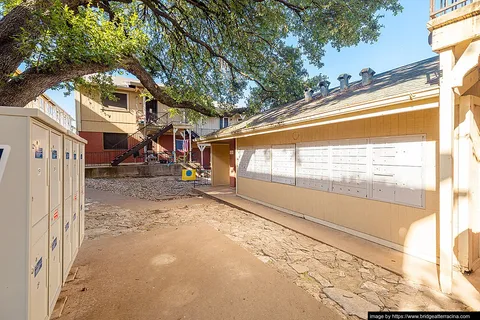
[
  {"x": 38, "y": 267},
  {"x": 55, "y": 215},
  {"x": 67, "y": 155},
  {"x": 74, "y": 156},
  {"x": 67, "y": 226},
  {"x": 54, "y": 155},
  {"x": 39, "y": 153},
  {"x": 74, "y": 216},
  {"x": 54, "y": 243}
]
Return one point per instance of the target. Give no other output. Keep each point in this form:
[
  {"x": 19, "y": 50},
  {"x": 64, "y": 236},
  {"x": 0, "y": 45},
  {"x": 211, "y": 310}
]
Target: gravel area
[
  {"x": 349, "y": 285},
  {"x": 154, "y": 189}
]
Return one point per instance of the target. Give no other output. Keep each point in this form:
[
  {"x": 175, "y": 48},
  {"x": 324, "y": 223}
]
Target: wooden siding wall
[
  {"x": 97, "y": 118},
  {"x": 413, "y": 228}
]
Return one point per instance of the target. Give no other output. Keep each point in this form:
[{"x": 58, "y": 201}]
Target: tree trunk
[
  {"x": 33, "y": 82},
  {"x": 11, "y": 26}
]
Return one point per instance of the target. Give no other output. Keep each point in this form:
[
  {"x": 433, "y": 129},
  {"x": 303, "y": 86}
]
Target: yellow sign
[{"x": 189, "y": 174}]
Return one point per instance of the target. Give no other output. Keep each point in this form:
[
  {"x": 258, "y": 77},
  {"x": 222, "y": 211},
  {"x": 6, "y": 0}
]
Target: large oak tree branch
[
  {"x": 34, "y": 81},
  {"x": 133, "y": 66}
]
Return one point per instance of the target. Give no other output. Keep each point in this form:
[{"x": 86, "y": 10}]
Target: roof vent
[
  {"x": 324, "y": 84},
  {"x": 343, "y": 78},
  {"x": 367, "y": 76},
  {"x": 308, "y": 94}
]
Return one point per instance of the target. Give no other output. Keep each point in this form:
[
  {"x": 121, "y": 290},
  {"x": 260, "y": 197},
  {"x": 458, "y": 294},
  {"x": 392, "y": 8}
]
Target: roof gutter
[{"x": 281, "y": 126}]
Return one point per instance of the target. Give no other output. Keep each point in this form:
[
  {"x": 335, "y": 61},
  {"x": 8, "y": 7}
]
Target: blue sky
[{"x": 403, "y": 40}]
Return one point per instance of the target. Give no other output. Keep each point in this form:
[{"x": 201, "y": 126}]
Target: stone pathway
[{"x": 349, "y": 285}]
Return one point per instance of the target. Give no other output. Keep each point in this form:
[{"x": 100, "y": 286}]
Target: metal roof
[{"x": 414, "y": 77}]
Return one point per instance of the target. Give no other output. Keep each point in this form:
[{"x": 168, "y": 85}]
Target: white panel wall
[
  {"x": 283, "y": 164},
  {"x": 313, "y": 163},
  {"x": 390, "y": 169}
]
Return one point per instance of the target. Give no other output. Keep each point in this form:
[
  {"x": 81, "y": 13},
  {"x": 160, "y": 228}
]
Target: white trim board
[{"x": 359, "y": 234}]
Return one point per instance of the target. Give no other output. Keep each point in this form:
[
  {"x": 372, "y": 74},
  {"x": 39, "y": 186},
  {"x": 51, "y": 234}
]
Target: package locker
[
  {"x": 82, "y": 193},
  {"x": 75, "y": 228},
  {"x": 33, "y": 187},
  {"x": 56, "y": 217},
  {"x": 67, "y": 206}
]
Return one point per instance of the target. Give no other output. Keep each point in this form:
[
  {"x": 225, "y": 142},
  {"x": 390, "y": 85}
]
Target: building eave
[{"x": 345, "y": 114}]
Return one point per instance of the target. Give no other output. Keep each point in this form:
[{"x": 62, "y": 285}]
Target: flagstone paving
[{"x": 345, "y": 283}]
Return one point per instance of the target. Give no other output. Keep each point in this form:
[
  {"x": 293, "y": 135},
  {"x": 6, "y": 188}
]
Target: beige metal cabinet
[
  {"x": 67, "y": 205},
  {"x": 82, "y": 192},
  {"x": 35, "y": 180},
  {"x": 75, "y": 202}
]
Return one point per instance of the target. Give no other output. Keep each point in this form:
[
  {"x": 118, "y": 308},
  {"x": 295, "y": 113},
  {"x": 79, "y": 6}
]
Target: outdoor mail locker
[{"x": 32, "y": 212}]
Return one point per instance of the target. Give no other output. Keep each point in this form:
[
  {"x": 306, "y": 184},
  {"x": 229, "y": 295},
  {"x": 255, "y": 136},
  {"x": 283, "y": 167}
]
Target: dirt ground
[
  {"x": 155, "y": 189},
  {"x": 187, "y": 272},
  {"x": 347, "y": 285}
]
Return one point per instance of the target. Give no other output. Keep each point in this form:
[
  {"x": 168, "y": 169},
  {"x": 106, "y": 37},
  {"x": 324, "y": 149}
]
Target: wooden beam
[
  {"x": 468, "y": 81},
  {"x": 467, "y": 62},
  {"x": 446, "y": 129}
]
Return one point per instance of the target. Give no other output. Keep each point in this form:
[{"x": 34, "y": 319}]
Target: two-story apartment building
[{"x": 113, "y": 127}]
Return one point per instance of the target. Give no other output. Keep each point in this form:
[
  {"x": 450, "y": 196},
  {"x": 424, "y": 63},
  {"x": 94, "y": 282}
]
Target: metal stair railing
[{"x": 119, "y": 159}]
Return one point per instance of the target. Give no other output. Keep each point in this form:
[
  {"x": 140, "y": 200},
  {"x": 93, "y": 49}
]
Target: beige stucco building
[{"x": 392, "y": 158}]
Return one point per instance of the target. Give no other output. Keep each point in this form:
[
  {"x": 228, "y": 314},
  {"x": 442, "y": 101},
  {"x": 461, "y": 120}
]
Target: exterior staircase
[{"x": 136, "y": 148}]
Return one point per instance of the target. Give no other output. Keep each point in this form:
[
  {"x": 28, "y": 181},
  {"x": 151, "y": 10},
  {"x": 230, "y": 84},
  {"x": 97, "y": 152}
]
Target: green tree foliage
[{"x": 202, "y": 51}]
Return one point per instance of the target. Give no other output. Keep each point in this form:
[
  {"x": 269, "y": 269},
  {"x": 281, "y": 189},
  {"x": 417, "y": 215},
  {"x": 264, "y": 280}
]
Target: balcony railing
[{"x": 441, "y": 7}]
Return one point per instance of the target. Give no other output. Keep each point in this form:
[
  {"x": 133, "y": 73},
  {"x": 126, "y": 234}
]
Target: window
[
  {"x": 121, "y": 101},
  {"x": 223, "y": 122},
  {"x": 115, "y": 141}
]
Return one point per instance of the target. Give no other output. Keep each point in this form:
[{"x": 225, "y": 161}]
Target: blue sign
[
  {"x": 189, "y": 173},
  {"x": 67, "y": 226},
  {"x": 54, "y": 155},
  {"x": 39, "y": 153},
  {"x": 54, "y": 243},
  {"x": 38, "y": 267},
  {"x": 67, "y": 155},
  {"x": 74, "y": 156}
]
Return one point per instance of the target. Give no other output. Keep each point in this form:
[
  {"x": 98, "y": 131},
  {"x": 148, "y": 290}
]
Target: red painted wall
[{"x": 94, "y": 152}]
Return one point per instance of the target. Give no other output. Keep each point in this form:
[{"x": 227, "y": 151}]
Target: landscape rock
[
  {"x": 367, "y": 276},
  {"x": 368, "y": 285},
  {"x": 325, "y": 256},
  {"x": 344, "y": 256},
  {"x": 350, "y": 302},
  {"x": 299, "y": 268},
  {"x": 323, "y": 248},
  {"x": 324, "y": 282},
  {"x": 373, "y": 298},
  {"x": 368, "y": 265},
  {"x": 406, "y": 289}
]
